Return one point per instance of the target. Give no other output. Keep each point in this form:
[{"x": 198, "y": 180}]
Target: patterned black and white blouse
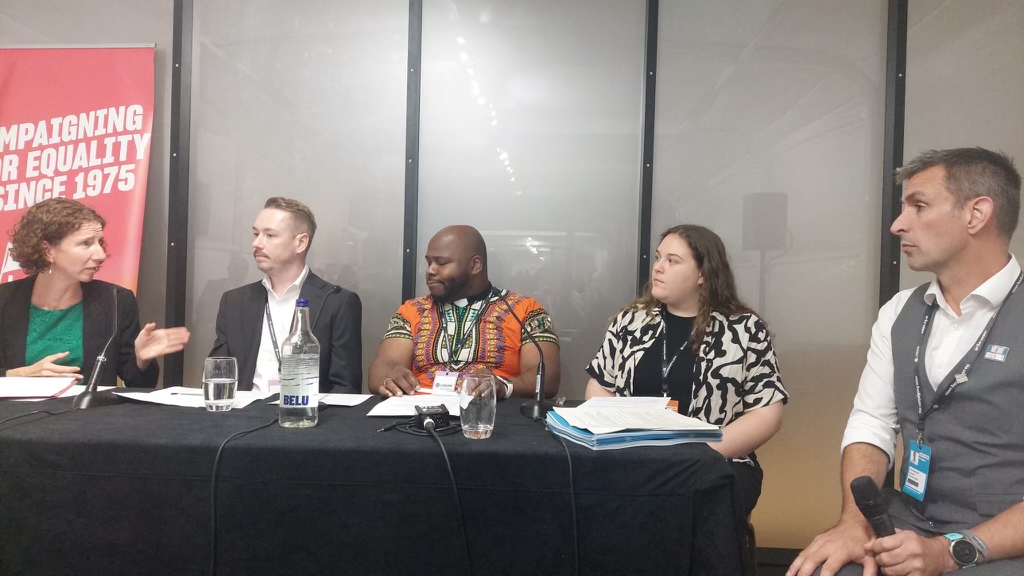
[{"x": 735, "y": 371}]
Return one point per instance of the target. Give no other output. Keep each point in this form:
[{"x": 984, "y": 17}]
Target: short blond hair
[{"x": 300, "y": 213}]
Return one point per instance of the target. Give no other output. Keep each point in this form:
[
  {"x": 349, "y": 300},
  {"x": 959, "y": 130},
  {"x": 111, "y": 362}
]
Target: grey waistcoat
[{"x": 977, "y": 436}]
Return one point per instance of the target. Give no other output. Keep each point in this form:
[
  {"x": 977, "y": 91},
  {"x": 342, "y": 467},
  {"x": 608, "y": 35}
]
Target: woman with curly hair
[
  {"x": 690, "y": 338},
  {"x": 58, "y": 320}
]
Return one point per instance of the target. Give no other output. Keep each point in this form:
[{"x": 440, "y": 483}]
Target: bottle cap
[{"x": 302, "y": 303}]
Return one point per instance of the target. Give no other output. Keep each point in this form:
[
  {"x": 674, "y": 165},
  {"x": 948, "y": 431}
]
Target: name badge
[
  {"x": 997, "y": 353},
  {"x": 444, "y": 383},
  {"x": 917, "y": 472}
]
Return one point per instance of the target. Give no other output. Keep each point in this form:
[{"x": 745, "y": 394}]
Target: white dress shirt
[
  {"x": 282, "y": 308},
  {"x": 873, "y": 419}
]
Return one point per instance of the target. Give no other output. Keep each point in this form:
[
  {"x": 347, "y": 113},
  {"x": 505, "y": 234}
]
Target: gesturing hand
[{"x": 153, "y": 343}]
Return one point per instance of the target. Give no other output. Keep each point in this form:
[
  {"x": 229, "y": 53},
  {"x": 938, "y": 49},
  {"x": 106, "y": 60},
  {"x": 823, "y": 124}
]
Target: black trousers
[{"x": 748, "y": 485}]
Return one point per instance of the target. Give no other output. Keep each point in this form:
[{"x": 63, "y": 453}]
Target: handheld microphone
[
  {"x": 537, "y": 408},
  {"x": 334, "y": 290},
  {"x": 872, "y": 505},
  {"x": 90, "y": 397}
]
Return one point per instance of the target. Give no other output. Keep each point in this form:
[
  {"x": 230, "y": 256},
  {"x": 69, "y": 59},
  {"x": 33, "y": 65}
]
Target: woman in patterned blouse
[{"x": 689, "y": 337}]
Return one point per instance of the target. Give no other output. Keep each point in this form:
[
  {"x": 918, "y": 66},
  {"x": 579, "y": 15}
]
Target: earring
[{"x": 49, "y": 270}]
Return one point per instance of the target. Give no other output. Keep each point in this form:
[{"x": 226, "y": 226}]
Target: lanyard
[
  {"x": 273, "y": 336},
  {"x": 666, "y": 364},
  {"x": 961, "y": 376},
  {"x": 448, "y": 340}
]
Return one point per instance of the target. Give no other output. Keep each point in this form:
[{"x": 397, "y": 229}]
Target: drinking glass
[
  {"x": 220, "y": 381},
  {"x": 477, "y": 406}
]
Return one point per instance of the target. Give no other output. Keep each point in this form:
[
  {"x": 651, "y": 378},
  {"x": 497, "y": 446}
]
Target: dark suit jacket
[
  {"x": 336, "y": 315},
  {"x": 97, "y": 324}
]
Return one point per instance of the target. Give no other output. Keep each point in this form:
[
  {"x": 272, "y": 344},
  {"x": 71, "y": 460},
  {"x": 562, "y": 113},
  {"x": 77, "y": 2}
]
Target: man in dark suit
[{"x": 254, "y": 320}]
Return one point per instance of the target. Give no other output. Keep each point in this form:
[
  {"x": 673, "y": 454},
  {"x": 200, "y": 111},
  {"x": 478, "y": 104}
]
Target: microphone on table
[
  {"x": 90, "y": 397},
  {"x": 872, "y": 505},
  {"x": 538, "y": 407}
]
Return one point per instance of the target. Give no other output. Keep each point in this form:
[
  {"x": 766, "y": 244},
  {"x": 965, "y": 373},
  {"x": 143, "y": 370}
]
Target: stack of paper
[
  {"x": 632, "y": 402},
  {"x": 612, "y": 428}
]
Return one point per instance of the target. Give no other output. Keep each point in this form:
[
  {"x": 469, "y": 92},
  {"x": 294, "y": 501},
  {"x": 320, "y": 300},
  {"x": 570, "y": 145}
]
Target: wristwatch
[
  {"x": 509, "y": 388},
  {"x": 964, "y": 552}
]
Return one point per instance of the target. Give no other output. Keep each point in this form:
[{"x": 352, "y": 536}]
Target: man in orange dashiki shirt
[{"x": 464, "y": 326}]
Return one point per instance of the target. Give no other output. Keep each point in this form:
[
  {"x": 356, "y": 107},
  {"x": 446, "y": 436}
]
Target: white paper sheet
[
  {"x": 191, "y": 397},
  {"x": 73, "y": 391},
  {"x": 617, "y": 402},
  {"x": 344, "y": 399},
  {"x": 605, "y": 421},
  {"x": 406, "y": 405},
  {"x": 40, "y": 388}
]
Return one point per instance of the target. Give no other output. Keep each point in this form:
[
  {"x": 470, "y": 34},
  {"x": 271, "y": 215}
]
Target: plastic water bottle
[{"x": 300, "y": 372}]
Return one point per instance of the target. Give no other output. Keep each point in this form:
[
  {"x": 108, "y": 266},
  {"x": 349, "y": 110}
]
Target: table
[{"x": 126, "y": 489}]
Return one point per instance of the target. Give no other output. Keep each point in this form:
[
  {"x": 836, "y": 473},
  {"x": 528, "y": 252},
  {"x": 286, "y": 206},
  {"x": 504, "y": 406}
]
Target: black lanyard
[
  {"x": 666, "y": 364},
  {"x": 452, "y": 346},
  {"x": 273, "y": 336},
  {"x": 961, "y": 376}
]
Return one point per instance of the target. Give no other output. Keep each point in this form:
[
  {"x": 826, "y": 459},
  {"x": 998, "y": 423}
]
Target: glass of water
[
  {"x": 220, "y": 381},
  {"x": 477, "y": 406}
]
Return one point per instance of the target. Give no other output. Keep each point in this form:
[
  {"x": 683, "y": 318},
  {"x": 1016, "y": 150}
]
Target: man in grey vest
[{"x": 945, "y": 371}]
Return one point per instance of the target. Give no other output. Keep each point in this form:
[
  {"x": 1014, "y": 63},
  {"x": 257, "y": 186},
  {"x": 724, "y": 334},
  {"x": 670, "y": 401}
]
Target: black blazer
[
  {"x": 97, "y": 324},
  {"x": 336, "y": 315}
]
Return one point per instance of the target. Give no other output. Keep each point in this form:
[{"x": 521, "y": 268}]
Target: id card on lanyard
[{"x": 920, "y": 456}]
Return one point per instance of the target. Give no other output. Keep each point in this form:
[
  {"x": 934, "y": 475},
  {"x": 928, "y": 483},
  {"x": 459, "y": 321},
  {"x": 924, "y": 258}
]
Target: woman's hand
[
  {"x": 153, "y": 343},
  {"x": 48, "y": 367}
]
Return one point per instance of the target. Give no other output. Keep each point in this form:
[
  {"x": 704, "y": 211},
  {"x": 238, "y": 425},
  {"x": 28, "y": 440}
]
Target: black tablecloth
[{"x": 126, "y": 490}]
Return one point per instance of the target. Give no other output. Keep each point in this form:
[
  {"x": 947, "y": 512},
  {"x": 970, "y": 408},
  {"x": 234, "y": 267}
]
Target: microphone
[
  {"x": 537, "y": 408},
  {"x": 90, "y": 397},
  {"x": 872, "y": 505},
  {"x": 334, "y": 290}
]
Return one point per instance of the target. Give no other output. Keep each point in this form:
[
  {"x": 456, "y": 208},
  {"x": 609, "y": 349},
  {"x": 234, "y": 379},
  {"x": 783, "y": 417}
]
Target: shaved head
[
  {"x": 456, "y": 263},
  {"x": 465, "y": 239}
]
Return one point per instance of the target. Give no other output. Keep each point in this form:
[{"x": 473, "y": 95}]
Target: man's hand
[
  {"x": 399, "y": 382},
  {"x": 48, "y": 367},
  {"x": 836, "y": 548},
  {"x": 480, "y": 387},
  {"x": 907, "y": 553}
]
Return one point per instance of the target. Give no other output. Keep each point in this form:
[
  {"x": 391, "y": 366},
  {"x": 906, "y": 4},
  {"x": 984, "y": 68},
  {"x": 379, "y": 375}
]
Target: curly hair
[{"x": 48, "y": 223}]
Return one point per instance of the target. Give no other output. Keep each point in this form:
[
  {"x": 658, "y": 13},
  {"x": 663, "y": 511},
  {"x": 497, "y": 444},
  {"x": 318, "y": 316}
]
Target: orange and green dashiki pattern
[{"x": 488, "y": 334}]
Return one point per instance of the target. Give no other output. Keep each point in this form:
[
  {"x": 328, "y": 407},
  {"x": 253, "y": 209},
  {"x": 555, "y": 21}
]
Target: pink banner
[{"x": 77, "y": 123}]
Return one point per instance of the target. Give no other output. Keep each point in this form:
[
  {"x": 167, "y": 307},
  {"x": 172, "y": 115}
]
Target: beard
[{"x": 447, "y": 291}]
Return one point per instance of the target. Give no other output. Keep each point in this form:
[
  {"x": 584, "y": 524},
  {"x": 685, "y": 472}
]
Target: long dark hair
[{"x": 717, "y": 293}]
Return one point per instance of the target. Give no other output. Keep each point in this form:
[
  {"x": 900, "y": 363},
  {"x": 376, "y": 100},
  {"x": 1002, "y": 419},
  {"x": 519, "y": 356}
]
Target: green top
[{"x": 54, "y": 331}]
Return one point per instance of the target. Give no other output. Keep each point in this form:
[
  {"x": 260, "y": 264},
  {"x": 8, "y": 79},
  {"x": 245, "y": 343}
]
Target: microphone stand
[
  {"x": 536, "y": 409},
  {"x": 90, "y": 397}
]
